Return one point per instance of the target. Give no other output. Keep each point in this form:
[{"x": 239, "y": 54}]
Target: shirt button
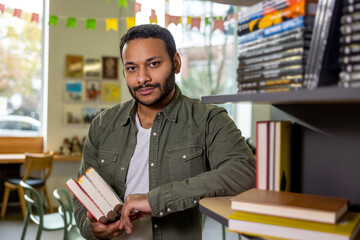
[
  {"x": 102, "y": 160},
  {"x": 155, "y": 225},
  {"x": 161, "y": 214},
  {"x": 154, "y": 133},
  {"x": 152, "y": 164},
  {"x": 195, "y": 201},
  {"x": 169, "y": 209},
  {"x": 184, "y": 156},
  {"x": 122, "y": 168}
]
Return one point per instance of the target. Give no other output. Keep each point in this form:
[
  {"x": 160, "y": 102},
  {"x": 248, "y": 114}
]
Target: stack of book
[
  {"x": 273, "y": 155},
  {"x": 273, "y": 42},
  {"x": 97, "y": 196},
  {"x": 350, "y": 44},
  {"x": 286, "y": 215}
]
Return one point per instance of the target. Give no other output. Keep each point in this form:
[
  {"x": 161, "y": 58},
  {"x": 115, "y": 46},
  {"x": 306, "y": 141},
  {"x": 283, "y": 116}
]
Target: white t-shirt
[{"x": 137, "y": 181}]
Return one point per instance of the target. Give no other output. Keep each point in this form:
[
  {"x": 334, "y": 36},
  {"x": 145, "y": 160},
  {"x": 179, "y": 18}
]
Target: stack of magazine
[
  {"x": 273, "y": 40},
  {"x": 350, "y": 44}
]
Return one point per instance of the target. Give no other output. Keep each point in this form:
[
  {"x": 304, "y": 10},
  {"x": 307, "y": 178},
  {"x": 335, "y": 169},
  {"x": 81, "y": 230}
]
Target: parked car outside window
[{"x": 19, "y": 126}]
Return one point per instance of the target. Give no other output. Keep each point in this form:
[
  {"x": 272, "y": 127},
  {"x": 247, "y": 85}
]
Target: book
[
  {"x": 97, "y": 196},
  {"x": 291, "y": 205},
  {"x": 262, "y": 154},
  {"x": 285, "y": 228},
  {"x": 282, "y": 158}
]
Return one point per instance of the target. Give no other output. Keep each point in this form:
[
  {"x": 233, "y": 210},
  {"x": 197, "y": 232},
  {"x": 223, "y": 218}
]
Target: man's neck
[{"x": 147, "y": 114}]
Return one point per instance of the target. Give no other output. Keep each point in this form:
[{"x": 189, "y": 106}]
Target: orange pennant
[
  {"x": 195, "y": 22},
  {"x": 153, "y": 17},
  {"x": 137, "y": 7},
  {"x": 35, "y": 17},
  {"x": 218, "y": 24},
  {"x": 17, "y": 12},
  {"x": 2, "y": 8}
]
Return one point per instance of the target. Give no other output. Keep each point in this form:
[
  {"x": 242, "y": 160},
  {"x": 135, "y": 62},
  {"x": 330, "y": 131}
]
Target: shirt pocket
[
  {"x": 185, "y": 162},
  {"x": 107, "y": 162}
]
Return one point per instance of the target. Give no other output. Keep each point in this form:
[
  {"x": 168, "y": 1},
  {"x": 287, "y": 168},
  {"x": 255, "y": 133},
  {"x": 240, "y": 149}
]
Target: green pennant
[
  {"x": 71, "y": 22},
  {"x": 90, "y": 24},
  {"x": 207, "y": 21},
  {"x": 220, "y": 18},
  {"x": 53, "y": 20},
  {"x": 123, "y": 3},
  {"x": 108, "y": 1}
]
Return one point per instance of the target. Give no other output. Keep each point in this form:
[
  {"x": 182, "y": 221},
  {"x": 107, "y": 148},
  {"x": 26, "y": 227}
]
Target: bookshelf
[{"x": 327, "y": 154}]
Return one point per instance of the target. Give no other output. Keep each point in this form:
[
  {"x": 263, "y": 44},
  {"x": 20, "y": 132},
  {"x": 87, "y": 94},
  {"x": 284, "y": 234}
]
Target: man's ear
[{"x": 177, "y": 62}]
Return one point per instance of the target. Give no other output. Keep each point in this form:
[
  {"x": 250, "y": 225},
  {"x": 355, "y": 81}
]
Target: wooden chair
[
  {"x": 32, "y": 162},
  {"x": 46, "y": 222}
]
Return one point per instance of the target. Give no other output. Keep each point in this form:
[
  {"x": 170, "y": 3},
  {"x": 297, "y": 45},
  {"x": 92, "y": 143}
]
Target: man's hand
[
  {"x": 104, "y": 231},
  {"x": 136, "y": 206}
]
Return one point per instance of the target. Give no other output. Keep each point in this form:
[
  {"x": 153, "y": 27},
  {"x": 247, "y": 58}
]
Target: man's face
[{"x": 148, "y": 70}]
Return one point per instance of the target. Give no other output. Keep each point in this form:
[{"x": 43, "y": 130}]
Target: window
[{"x": 21, "y": 67}]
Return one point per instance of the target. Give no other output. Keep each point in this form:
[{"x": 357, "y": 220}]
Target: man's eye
[
  {"x": 154, "y": 64},
  {"x": 131, "y": 69}
]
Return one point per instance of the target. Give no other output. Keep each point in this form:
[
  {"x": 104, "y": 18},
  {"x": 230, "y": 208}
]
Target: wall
[{"x": 78, "y": 41}]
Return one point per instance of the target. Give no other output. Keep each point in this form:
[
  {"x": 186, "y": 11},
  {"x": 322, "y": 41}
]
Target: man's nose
[{"x": 143, "y": 75}]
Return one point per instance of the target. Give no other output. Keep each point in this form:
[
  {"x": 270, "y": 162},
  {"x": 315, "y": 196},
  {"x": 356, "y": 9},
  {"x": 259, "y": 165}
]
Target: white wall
[{"x": 79, "y": 41}]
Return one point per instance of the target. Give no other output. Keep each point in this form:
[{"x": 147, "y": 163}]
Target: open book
[{"x": 96, "y": 195}]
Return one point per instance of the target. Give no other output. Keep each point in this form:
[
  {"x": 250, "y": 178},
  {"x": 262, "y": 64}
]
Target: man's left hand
[{"x": 136, "y": 206}]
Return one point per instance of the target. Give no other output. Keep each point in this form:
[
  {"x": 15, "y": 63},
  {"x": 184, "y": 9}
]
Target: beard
[{"x": 165, "y": 90}]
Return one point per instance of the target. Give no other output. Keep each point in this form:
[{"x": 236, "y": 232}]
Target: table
[
  {"x": 19, "y": 158},
  {"x": 218, "y": 208}
]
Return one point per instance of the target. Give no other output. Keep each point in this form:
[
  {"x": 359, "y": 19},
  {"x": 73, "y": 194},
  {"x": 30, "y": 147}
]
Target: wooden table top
[
  {"x": 218, "y": 208},
  {"x": 18, "y": 158}
]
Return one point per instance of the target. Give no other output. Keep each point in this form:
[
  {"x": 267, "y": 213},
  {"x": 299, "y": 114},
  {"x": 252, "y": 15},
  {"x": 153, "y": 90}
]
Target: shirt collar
[{"x": 170, "y": 111}]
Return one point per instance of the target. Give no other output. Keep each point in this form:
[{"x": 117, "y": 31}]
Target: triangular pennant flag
[
  {"x": 179, "y": 20},
  {"x": 108, "y": 1},
  {"x": 207, "y": 21},
  {"x": 137, "y": 7},
  {"x": 218, "y": 24},
  {"x": 111, "y": 23},
  {"x": 123, "y": 3},
  {"x": 17, "y": 12},
  {"x": 167, "y": 20},
  {"x": 195, "y": 22},
  {"x": 71, "y": 22},
  {"x": 189, "y": 20},
  {"x": 2, "y": 8},
  {"x": 53, "y": 20},
  {"x": 153, "y": 17},
  {"x": 35, "y": 17},
  {"x": 130, "y": 22},
  {"x": 90, "y": 24}
]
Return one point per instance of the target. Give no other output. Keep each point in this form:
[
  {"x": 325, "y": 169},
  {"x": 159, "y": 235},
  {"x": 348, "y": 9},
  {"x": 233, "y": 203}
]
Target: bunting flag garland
[
  {"x": 218, "y": 24},
  {"x": 2, "y": 8},
  {"x": 153, "y": 17},
  {"x": 130, "y": 22},
  {"x": 17, "y": 12},
  {"x": 35, "y": 18},
  {"x": 71, "y": 22},
  {"x": 111, "y": 24},
  {"x": 53, "y": 20},
  {"x": 137, "y": 7},
  {"x": 195, "y": 22},
  {"x": 123, "y": 3},
  {"x": 90, "y": 24}
]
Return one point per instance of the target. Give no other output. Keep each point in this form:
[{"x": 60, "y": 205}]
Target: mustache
[{"x": 146, "y": 86}]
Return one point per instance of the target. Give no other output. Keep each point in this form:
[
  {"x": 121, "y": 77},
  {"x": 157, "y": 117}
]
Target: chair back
[
  {"x": 38, "y": 161},
  {"x": 65, "y": 208},
  {"x": 33, "y": 200}
]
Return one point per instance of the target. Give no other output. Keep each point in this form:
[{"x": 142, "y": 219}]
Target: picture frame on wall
[
  {"x": 93, "y": 90},
  {"x": 89, "y": 113},
  {"x": 111, "y": 92},
  {"x": 110, "y": 67},
  {"x": 74, "y": 91},
  {"x": 74, "y": 66},
  {"x": 92, "y": 68},
  {"x": 72, "y": 114}
]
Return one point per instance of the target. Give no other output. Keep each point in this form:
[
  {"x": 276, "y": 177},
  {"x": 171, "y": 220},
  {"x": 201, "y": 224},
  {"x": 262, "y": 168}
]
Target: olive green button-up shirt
[{"x": 196, "y": 151}]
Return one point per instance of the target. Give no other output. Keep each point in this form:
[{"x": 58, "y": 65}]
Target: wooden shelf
[{"x": 319, "y": 95}]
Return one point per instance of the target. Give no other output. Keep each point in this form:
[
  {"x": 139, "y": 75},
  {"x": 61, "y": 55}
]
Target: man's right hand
[{"x": 104, "y": 231}]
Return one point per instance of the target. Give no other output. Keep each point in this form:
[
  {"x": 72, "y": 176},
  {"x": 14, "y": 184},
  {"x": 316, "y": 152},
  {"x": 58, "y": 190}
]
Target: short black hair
[{"x": 149, "y": 31}]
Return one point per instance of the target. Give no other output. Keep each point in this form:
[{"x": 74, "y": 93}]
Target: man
[{"x": 161, "y": 151}]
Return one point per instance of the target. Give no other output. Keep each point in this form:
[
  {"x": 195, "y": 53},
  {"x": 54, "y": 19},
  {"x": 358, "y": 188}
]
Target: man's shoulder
[{"x": 118, "y": 112}]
